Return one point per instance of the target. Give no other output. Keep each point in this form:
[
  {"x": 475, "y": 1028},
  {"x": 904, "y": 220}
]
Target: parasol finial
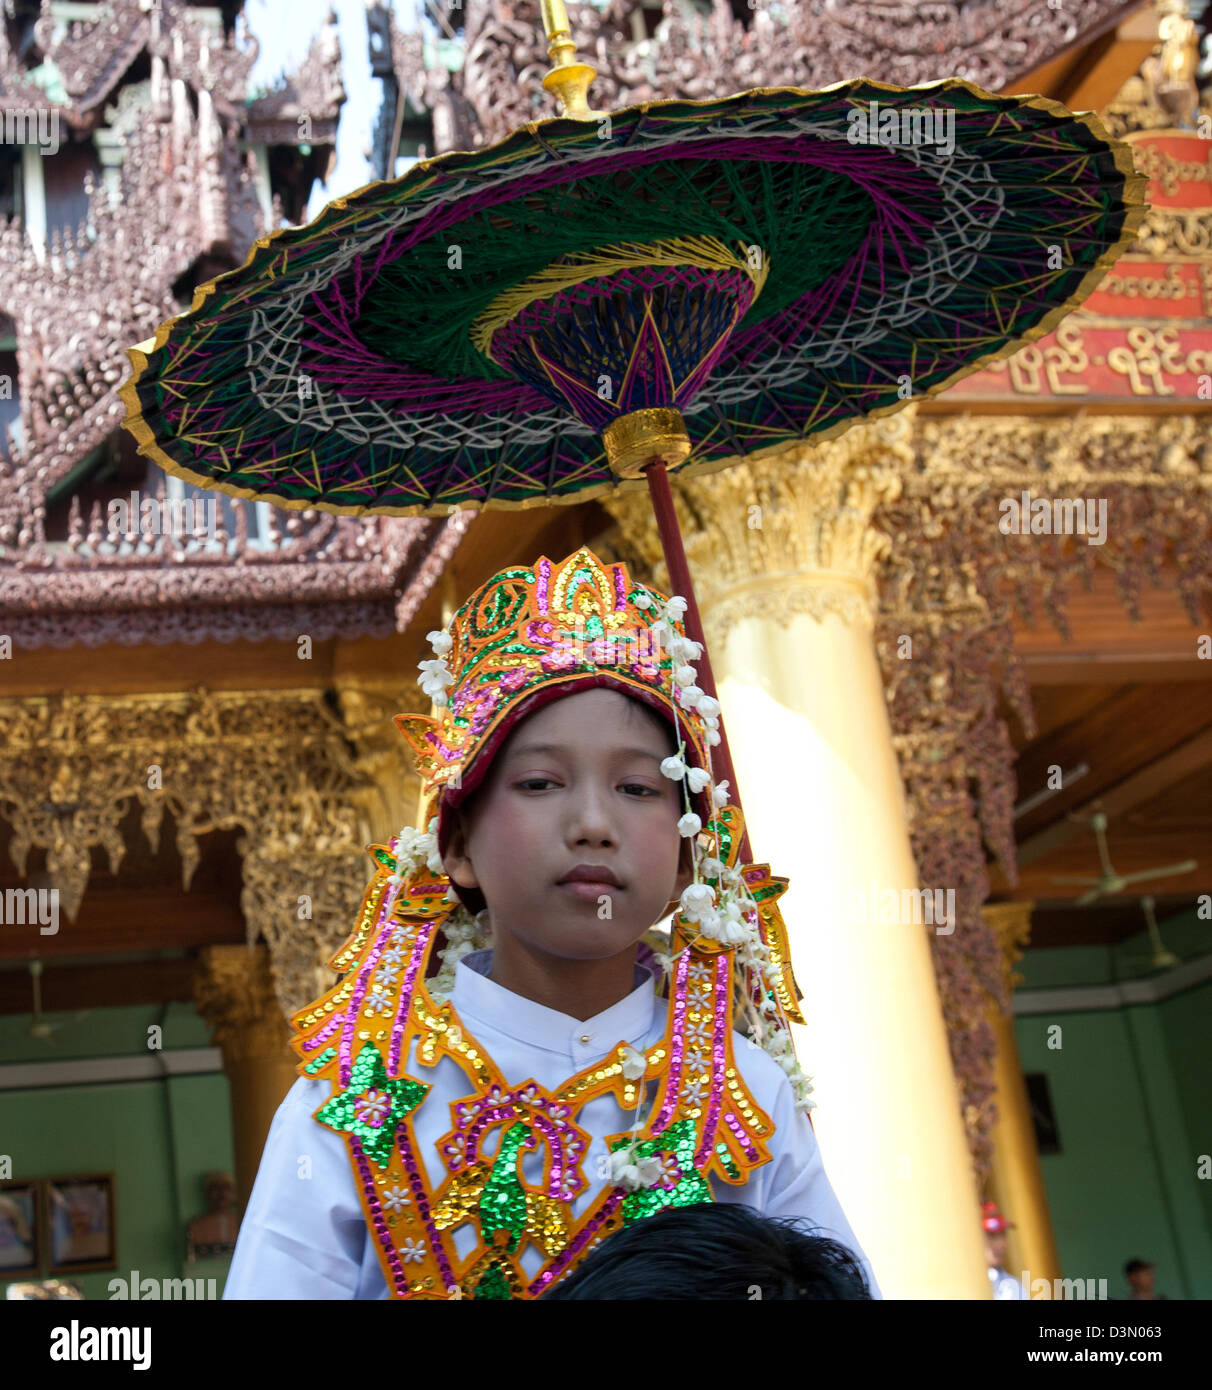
[{"x": 568, "y": 80}]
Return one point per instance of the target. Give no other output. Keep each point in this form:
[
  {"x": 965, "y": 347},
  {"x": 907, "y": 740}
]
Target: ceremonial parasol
[{"x": 601, "y": 299}]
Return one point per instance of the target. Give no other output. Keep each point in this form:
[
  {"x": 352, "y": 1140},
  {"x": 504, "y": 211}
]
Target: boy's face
[{"x": 592, "y": 794}]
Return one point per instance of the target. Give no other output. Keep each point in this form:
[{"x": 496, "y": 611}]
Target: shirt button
[{"x": 585, "y": 1037}]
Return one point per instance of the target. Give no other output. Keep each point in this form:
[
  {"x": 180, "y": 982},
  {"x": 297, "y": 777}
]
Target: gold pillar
[
  {"x": 1016, "y": 1182},
  {"x": 783, "y": 556},
  {"x": 234, "y": 993}
]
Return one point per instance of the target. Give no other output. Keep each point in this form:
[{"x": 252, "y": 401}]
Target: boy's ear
[{"x": 456, "y": 861}]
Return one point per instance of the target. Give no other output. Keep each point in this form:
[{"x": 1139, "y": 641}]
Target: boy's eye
[
  {"x": 530, "y": 781},
  {"x": 640, "y": 786}
]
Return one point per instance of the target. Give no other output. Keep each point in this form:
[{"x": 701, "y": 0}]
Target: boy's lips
[
  {"x": 590, "y": 889},
  {"x": 592, "y": 873}
]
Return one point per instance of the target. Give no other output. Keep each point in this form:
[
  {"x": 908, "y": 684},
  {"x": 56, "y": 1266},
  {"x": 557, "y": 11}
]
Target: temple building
[{"x": 988, "y": 619}]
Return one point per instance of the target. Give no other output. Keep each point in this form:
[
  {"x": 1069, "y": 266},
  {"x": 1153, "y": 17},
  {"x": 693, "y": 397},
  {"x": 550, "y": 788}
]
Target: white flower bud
[
  {"x": 690, "y": 695},
  {"x": 675, "y": 609},
  {"x": 698, "y": 778},
  {"x": 721, "y": 793},
  {"x": 711, "y": 738},
  {"x": 689, "y": 824},
  {"x": 709, "y": 707},
  {"x": 685, "y": 675},
  {"x": 642, "y": 600},
  {"x": 441, "y": 642},
  {"x": 635, "y": 1064},
  {"x": 673, "y": 768}
]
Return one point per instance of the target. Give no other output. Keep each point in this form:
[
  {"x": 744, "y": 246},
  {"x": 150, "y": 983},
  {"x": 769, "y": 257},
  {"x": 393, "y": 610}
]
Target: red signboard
[{"x": 1146, "y": 332}]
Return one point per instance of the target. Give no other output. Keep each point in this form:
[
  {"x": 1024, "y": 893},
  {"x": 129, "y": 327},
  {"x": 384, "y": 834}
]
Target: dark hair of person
[{"x": 715, "y": 1251}]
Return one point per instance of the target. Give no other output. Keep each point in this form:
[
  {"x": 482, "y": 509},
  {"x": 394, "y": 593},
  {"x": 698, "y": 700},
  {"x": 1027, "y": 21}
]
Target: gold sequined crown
[{"x": 534, "y": 627}]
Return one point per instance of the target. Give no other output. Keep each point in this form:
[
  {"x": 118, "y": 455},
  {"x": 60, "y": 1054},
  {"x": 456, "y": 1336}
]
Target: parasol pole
[
  {"x": 680, "y": 582},
  {"x": 644, "y": 441}
]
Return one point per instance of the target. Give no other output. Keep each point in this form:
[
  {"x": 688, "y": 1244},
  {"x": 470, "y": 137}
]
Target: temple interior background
[{"x": 194, "y": 731}]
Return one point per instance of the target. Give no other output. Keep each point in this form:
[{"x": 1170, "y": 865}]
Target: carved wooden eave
[
  {"x": 186, "y": 205},
  {"x": 998, "y": 46},
  {"x": 327, "y": 577}
]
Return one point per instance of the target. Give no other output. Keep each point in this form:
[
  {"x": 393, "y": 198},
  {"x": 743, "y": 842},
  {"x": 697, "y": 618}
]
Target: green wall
[
  {"x": 157, "y": 1136},
  {"x": 1132, "y": 1098}
]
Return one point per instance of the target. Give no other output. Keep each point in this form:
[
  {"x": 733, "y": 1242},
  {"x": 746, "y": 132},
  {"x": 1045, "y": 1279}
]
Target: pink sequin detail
[
  {"x": 412, "y": 1168},
  {"x": 310, "y": 1044},
  {"x": 398, "y": 1027},
  {"x": 718, "y": 1057},
  {"x": 620, "y": 589},
  {"x": 738, "y": 1130},
  {"x": 677, "y": 1045},
  {"x": 382, "y": 1234},
  {"x": 544, "y": 575}
]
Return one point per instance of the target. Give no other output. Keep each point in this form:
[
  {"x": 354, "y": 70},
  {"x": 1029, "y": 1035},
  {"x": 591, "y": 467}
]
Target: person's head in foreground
[
  {"x": 1139, "y": 1274},
  {"x": 715, "y": 1251},
  {"x": 995, "y": 1226}
]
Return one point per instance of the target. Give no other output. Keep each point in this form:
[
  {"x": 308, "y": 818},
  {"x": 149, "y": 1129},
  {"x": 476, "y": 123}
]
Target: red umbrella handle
[{"x": 681, "y": 583}]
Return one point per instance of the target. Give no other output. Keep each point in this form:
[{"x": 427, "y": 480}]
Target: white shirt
[
  {"x": 304, "y": 1235},
  {"x": 1006, "y": 1285}
]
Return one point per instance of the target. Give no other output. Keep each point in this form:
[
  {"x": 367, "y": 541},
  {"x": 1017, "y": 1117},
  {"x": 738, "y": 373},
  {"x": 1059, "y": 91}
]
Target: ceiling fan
[
  {"x": 40, "y": 1028},
  {"x": 1109, "y": 881}
]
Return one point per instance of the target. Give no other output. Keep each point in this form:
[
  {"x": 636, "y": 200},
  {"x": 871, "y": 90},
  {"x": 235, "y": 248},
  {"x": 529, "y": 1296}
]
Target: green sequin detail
[
  {"x": 720, "y": 828},
  {"x": 493, "y": 1285},
  {"x": 372, "y": 1096},
  {"x": 503, "y": 1201},
  {"x": 726, "y": 1159},
  {"x": 319, "y": 1063},
  {"x": 691, "y": 1187},
  {"x": 387, "y": 860}
]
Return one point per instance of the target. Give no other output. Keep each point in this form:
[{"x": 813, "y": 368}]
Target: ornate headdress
[{"x": 528, "y": 636}]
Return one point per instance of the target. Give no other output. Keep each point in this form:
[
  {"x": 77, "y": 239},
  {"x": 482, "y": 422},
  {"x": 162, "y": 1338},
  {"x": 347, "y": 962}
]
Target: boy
[{"x": 480, "y": 1131}]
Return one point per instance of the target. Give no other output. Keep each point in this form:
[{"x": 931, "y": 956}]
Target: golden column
[
  {"x": 783, "y": 555},
  {"x": 1016, "y": 1182},
  {"x": 234, "y": 993}
]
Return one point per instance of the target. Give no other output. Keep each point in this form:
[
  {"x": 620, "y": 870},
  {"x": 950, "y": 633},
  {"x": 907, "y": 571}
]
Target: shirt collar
[{"x": 476, "y": 996}]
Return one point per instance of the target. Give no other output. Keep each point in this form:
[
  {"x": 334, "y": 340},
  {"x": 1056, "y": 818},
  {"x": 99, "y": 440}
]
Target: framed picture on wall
[
  {"x": 20, "y": 1228},
  {"x": 80, "y": 1223}
]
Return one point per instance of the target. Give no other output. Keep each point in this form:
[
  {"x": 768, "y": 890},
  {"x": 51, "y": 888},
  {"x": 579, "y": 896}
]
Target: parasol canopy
[{"x": 770, "y": 266}]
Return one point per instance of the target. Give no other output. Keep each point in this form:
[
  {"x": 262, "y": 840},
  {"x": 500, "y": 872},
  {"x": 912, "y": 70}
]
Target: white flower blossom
[
  {"x": 643, "y": 600},
  {"x": 689, "y": 695},
  {"x": 673, "y": 768},
  {"x": 441, "y": 642},
  {"x": 684, "y": 675},
  {"x": 683, "y": 649},
  {"x": 675, "y": 609},
  {"x": 698, "y": 778},
  {"x": 721, "y": 793},
  {"x": 697, "y": 899},
  {"x": 650, "y": 1171},
  {"x": 710, "y": 867},
  {"x": 709, "y": 707},
  {"x": 711, "y": 738},
  {"x": 689, "y": 824}
]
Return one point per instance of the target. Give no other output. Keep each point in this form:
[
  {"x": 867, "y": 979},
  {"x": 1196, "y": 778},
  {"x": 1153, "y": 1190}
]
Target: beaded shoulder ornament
[{"x": 725, "y": 964}]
